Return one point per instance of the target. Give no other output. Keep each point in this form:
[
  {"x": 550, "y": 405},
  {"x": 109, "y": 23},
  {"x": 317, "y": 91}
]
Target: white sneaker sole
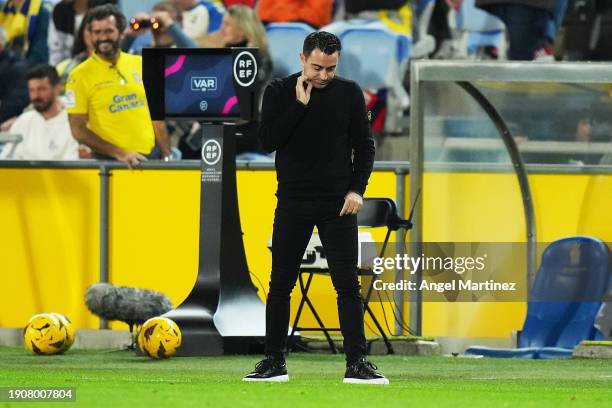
[
  {"x": 278, "y": 378},
  {"x": 377, "y": 381}
]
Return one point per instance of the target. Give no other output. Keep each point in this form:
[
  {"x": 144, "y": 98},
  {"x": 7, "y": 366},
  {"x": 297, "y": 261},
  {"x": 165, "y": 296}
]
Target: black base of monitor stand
[{"x": 223, "y": 313}]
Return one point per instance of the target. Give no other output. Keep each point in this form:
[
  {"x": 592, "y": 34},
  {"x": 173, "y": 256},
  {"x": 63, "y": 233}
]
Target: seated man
[
  {"x": 107, "y": 105},
  {"x": 45, "y": 129}
]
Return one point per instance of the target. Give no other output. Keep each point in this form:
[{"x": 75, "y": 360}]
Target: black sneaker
[
  {"x": 268, "y": 369},
  {"x": 363, "y": 372}
]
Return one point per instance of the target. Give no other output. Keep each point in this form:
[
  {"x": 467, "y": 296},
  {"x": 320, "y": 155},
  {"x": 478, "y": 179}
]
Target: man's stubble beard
[
  {"x": 107, "y": 54},
  {"x": 44, "y": 108}
]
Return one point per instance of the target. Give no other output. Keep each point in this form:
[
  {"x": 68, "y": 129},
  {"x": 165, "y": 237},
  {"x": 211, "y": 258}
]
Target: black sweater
[{"x": 324, "y": 149}]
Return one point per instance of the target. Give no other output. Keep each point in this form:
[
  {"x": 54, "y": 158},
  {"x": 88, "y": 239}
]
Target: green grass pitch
[{"x": 122, "y": 379}]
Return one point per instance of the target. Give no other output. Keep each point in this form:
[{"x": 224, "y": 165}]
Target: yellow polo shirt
[{"x": 113, "y": 98}]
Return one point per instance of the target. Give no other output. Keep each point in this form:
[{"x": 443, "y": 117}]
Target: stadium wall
[{"x": 50, "y": 235}]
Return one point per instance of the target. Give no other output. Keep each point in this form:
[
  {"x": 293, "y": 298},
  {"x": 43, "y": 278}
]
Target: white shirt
[
  {"x": 42, "y": 139},
  {"x": 60, "y": 44}
]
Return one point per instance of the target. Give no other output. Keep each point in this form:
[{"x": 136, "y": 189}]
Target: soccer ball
[
  {"x": 43, "y": 334},
  {"x": 159, "y": 337},
  {"x": 67, "y": 326}
]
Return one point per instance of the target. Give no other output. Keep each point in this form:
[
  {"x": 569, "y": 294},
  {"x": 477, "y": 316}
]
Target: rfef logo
[
  {"x": 204, "y": 84},
  {"x": 211, "y": 152},
  {"x": 245, "y": 69}
]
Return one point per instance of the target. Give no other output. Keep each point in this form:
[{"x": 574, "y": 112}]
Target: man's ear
[{"x": 302, "y": 60}]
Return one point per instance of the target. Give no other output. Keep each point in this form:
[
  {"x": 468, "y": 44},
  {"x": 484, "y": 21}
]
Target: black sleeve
[
  {"x": 277, "y": 121},
  {"x": 362, "y": 143},
  {"x": 127, "y": 42},
  {"x": 14, "y": 98},
  {"x": 246, "y": 138}
]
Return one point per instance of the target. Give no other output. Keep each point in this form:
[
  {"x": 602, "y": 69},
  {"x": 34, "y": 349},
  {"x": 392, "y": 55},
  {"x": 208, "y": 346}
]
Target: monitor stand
[{"x": 223, "y": 313}]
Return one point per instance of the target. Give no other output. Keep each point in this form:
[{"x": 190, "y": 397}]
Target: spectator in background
[
  {"x": 526, "y": 22},
  {"x": 26, "y": 24},
  {"x": 545, "y": 50},
  {"x": 45, "y": 129},
  {"x": 200, "y": 17},
  {"x": 446, "y": 46},
  {"x": 66, "y": 19},
  {"x": 395, "y": 14},
  {"x": 85, "y": 48},
  {"x": 13, "y": 89},
  {"x": 317, "y": 13},
  {"x": 107, "y": 105},
  {"x": 64, "y": 27},
  {"x": 240, "y": 28},
  {"x": 168, "y": 34}
]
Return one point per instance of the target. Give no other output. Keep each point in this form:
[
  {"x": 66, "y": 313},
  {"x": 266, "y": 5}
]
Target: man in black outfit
[{"x": 318, "y": 126}]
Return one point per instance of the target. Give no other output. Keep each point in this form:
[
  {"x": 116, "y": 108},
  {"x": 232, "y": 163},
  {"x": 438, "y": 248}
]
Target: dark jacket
[
  {"x": 13, "y": 86},
  {"x": 246, "y": 133},
  {"x": 548, "y": 5},
  {"x": 324, "y": 149}
]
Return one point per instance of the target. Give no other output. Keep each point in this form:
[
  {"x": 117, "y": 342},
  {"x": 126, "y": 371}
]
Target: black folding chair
[{"x": 376, "y": 212}]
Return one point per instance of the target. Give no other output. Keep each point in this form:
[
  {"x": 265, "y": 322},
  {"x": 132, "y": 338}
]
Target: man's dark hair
[
  {"x": 322, "y": 40},
  {"x": 44, "y": 71},
  {"x": 104, "y": 11}
]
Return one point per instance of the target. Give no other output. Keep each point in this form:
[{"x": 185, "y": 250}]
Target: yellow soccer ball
[
  {"x": 68, "y": 327},
  {"x": 43, "y": 334},
  {"x": 159, "y": 337}
]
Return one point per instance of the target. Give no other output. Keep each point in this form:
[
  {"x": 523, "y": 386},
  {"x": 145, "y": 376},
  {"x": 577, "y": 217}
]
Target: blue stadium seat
[
  {"x": 375, "y": 57},
  {"x": 372, "y": 55},
  {"x": 567, "y": 294},
  {"x": 285, "y": 41},
  {"x": 480, "y": 39},
  {"x": 480, "y": 28},
  {"x": 471, "y": 18}
]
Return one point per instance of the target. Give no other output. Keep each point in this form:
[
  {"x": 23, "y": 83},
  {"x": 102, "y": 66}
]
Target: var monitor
[{"x": 207, "y": 84}]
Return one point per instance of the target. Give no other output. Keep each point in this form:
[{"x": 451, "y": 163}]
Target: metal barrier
[
  {"x": 466, "y": 74},
  {"x": 400, "y": 169}
]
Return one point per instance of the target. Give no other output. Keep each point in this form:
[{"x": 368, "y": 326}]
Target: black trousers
[
  {"x": 526, "y": 28},
  {"x": 294, "y": 221}
]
